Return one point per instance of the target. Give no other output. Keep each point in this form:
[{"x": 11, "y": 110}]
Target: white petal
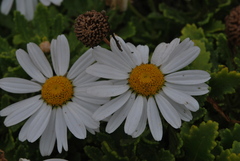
[
  {"x": 21, "y": 104},
  {"x": 104, "y": 71},
  {"x": 21, "y": 7},
  {"x": 39, "y": 123},
  {"x": 24, "y": 130},
  {"x": 181, "y": 98},
  {"x": 45, "y": 2},
  {"x": 134, "y": 116},
  {"x": 19, "y": 85},
  {"x": 194, "y": 90},
  {"x": 81, "y": 64},
  {"x": 181, "y": 60},
  {"x": 168, "y": 111},
  {"x": 85, "y": 116},
  {"x": 74, "y": 123},
  {"x": 92, "y": 99},
  {"x": 89, "y": 106},
  {"x": 143, "y": 121},
  {"x": 135, "y": 54},
  {"x": 61, "y": 131},
  {"x": 61, "y": 55},
  {"x": 38, "y": 58},
  {"x": 163, "y": 51},
  {"x": 124, "y": 54},
  {"x": 154, "y": 120},
  {"x": 27, "y": 64},
  {"x": 21, "y": 113},
  {"x": 48, "y": 137},
  {"x": 29, "y": 9},
  {"x": 120, "y": 115},
  {"x": 188, "y": 77},
  {"x": 107, "y": 90},
  {"x": 84, "y": 78},
  {"x": 104, "y": 56},
  {"x": 6, "y": 6},
  {"x": 109, "y": 108},
  {"x": 144, "y": 50}
]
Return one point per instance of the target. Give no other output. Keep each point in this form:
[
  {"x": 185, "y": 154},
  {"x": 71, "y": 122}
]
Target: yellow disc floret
[
  {"x": 146, "y": 79},
  {"x": 57, "y": 90}
]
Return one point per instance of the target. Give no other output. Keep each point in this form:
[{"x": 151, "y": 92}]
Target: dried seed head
[
  {"x": 232, "y": 22},
  {"x": 91, "y": 28},
  {"x": 45, "y": 46}
]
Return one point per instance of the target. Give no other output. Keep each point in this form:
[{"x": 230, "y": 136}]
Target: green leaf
[
  {"x": 199, "y": 141},
  {"x": 57, "y": 25},
  {"x": 94, "y": 153},
  {"x": 21, "y": 26},
  {"x": 214, "y": 26},
  {"x": 228, "y": 156},
  {"x": 110, "y": 154},
  {"x": 175, "y": 142},
  {"x": 41, "y": 21},
  {"x": 192, "y": 32},
  {"x": 4, "y": 46},
  {"x": 165, "y": 155},
  {"x": 127, "y": 31},
  {"x": 223, "y": 82},
  {"x": 236, "y": 147},
  {"x": 229, "y": 136},
  {"x": 202, "y": 61}
]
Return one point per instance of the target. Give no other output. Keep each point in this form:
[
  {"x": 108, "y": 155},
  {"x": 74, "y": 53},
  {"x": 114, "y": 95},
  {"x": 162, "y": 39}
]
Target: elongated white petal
[
  {"x": 163, "y": 51},
  {"x": 181, "y": 60},
  {"x": 39, "y": 123},
  {"x": 29, "y": 9},
  {"x": 188, "y": 77},
  {"x": 48, "y": 137},
  {"x": 107, "y": 90},
  {"x": 92, "y": 99},
  {"x": 109, "y": 58},
  {"x": 110, "y": 107},
  {"x": 6, "y": 6},
  {"x": 23, "y": 112},
  {"x": 84, "y": 78},
  {"x": 74, "y": 123},
  {"x": 61, "y": 131},
  {"x": 85, "y": 116},
  {"x": 168, "y": 111},
  {"x": 143, "y": 121},
  {"x": 21, "y": 104},
  {"x": 19, "y": 85},
  {"x": 144, "y": 51},
  {"x": 104, "y": 71},
  {"x": 119, "y": 116},
  {"x": 194, "y": 90},
  {"x": 89, "y": 106},
  {"x": 184, "y": 113},
  {"x": 22, "y": 136},
  {"x": 135, "y": 54},
  {"x": 39, "y": 59},
  {"x": 119, "y": 47},
  {"x": 181, "y": 98},
  {"x": 45, "y": 2},
  {"x": 27, "y": 64},
  {"x": 81, "y": 64},
  {"x": 60, "y": 52},
  {"x": 154, "y": 120},
  {"x": 134, "y": 116},
  {"x": 57, "y": 2}
]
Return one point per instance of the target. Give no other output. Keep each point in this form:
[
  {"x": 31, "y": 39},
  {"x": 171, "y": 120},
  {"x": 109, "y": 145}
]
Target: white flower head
[
  {"x": 62, "y": 101},
  {"x": 143, "y": 89},
  {"x": 26, "y": 7}
]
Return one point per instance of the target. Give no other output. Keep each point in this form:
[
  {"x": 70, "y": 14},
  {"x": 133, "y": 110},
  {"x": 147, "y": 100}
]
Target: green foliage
[
  {"x": 199, "y": 141},
  {"x": 223, "y": 82}
]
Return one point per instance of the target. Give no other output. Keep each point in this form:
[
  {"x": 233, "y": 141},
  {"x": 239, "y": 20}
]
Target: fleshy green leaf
[
  {"x": 229, "y": 136},
  {"x": 94, "y": 153},
  {"x": 223, "y": 82},
  {"x": 128, "y": 31},
  {"x": 202, "y": 61},
  {"x": 199, "y": 141},
  {"x": 192, "y": 32}
]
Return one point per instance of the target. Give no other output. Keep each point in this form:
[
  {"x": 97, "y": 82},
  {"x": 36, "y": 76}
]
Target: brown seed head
[
  {"x": 232, "y": 23},
  {"x": 91, "y": 28}
]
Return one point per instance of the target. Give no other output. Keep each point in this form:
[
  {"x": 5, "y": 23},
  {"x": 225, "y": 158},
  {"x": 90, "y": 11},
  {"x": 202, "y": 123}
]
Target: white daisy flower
[
  {"x": 26, "y": 7},
  {"x": 61, "y": 102},
  {"x": 142, "y": 89}
]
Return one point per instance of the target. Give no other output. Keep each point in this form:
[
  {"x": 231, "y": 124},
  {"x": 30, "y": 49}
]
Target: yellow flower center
[
  {"x": 146, "y": 79},
  {"x": 57, "y": 90}
]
